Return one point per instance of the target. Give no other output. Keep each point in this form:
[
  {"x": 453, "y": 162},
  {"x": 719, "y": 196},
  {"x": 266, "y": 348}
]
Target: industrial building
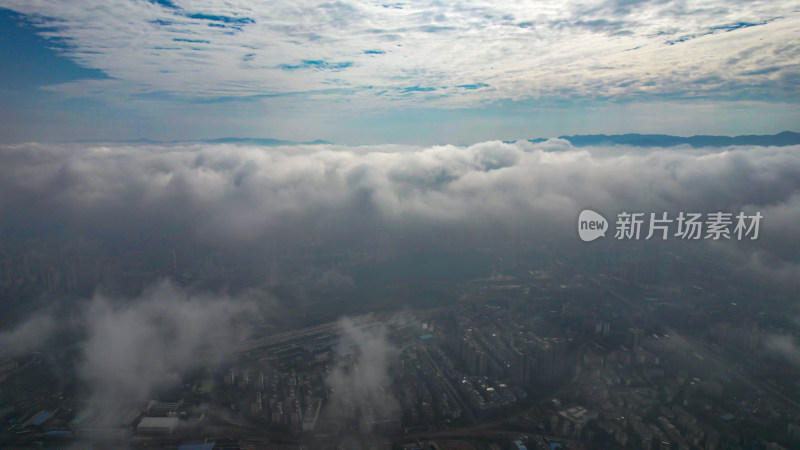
[{"x": 157, "y": 425}]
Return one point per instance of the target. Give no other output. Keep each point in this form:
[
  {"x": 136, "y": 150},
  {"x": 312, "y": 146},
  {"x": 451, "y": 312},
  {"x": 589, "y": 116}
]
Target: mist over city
[{"x": 403, "y": 225}]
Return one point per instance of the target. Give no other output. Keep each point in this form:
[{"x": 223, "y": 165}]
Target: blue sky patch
[
  {"x": 36, "y": 61},
  {"x": 194, "y": 41},
  {"x": 223, "y": 19},
  {"x": 165, "y": 4},
  {"x": 472, "y": 86},
  {"x": 418, "y": 89},
  {"x": 764, "y": 71},
  {"x": 317, "y": 64}
]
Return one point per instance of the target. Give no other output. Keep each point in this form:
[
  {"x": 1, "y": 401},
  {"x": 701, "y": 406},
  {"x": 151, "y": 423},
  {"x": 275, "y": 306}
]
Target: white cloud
[
  {"x": 372, "y": 52},
  {"x": 29, "y": 335},
  {"x": 361, "y": 385},
  {"x": 784, "y": 345},
  {"x": 132, "y": 347},
  {"x": 249, "y": 195}
]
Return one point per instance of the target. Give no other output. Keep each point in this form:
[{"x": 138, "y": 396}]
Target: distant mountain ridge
[
  {"x": 259, "y": 141},
  {"x": 665, "y": 140},
  {"x": 579, "y": 140},
  {"x": 267, "y": 142}
]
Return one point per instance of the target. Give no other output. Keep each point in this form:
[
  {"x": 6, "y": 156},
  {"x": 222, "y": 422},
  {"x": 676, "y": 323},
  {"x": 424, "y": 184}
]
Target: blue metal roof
[
  {"x": 41, "y": 417},
  {"x": 206, "y": 446},
  {"x": 58, "y": 433}
]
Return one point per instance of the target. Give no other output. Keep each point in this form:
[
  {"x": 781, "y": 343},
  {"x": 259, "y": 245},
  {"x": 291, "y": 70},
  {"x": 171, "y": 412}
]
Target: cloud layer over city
[{"x": 253, "y": 197}]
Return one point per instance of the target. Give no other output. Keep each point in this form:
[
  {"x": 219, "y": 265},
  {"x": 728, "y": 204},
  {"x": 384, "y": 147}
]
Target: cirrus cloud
[{"x": 438, "y": 54}]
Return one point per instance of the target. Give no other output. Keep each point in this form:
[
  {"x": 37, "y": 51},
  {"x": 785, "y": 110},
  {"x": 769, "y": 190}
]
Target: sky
[{"x": 410, "y": 72}]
